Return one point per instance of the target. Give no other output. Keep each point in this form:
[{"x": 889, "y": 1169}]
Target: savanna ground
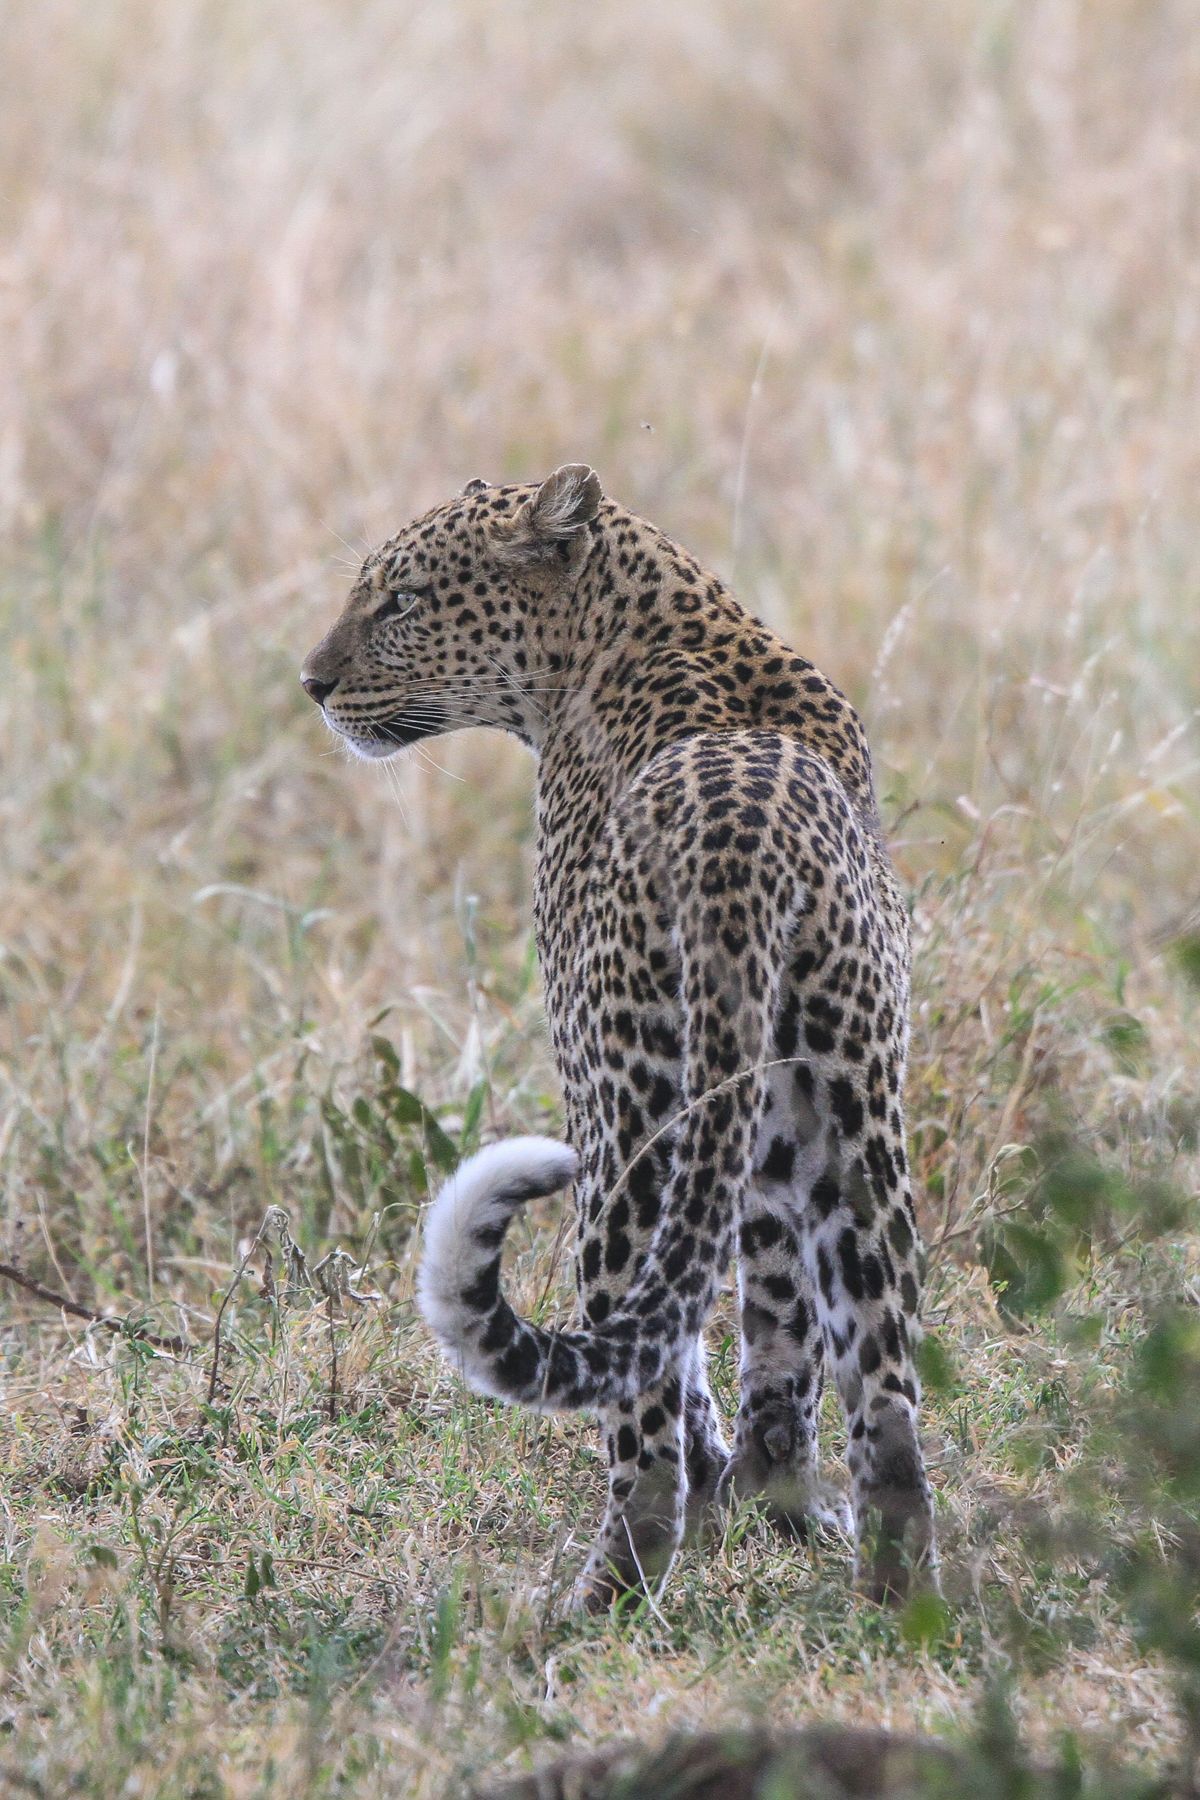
[{"x": 890, "y": 311}]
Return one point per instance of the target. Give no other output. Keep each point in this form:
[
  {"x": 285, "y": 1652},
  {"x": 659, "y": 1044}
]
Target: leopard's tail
[{"x": 460, "y": 1298}]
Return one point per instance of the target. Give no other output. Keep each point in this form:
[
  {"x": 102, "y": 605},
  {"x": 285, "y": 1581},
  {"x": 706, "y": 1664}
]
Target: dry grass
[{"x": 892, "y": 312}]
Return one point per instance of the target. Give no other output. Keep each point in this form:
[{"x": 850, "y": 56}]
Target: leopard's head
[{"x": 459, "y": 619}]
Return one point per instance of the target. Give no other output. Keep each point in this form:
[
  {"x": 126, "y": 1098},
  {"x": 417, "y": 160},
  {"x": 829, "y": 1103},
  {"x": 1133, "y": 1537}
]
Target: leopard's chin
[{"x": 369, "y": 749}]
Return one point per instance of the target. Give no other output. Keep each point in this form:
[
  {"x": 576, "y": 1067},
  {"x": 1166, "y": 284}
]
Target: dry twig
[{"x": 176, "y": 1346}]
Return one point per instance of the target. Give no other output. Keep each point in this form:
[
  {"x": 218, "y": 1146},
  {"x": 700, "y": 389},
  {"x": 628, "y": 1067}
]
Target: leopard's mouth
[{"x": 387, "y": 737}]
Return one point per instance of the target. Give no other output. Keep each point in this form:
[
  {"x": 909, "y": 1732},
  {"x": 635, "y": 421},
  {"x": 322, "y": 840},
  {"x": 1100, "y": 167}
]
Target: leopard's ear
[
  {"x": 477, "y": 485},
  {"x": 547, "y": 527},
  {"x": 566, "y": 502}
]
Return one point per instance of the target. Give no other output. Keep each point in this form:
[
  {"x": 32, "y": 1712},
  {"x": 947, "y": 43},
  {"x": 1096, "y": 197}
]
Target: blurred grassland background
[{"x": 891, "y": 313}]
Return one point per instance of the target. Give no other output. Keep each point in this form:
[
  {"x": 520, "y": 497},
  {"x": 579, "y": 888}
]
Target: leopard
[{"x": 725, "y": 957}]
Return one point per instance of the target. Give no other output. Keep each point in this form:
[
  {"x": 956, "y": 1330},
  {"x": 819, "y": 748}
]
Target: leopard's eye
[{"x": 396, "y": 604}]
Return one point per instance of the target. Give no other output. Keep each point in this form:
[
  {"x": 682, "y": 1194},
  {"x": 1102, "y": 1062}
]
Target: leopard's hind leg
[
  {"x": 858, "y": 1236},
  {"x": 863, "y": 1256},
  {"x": 783, "y": 1357},
  {"x": 644, "y": 1520},
  {"x": 666, "y": 1455}
]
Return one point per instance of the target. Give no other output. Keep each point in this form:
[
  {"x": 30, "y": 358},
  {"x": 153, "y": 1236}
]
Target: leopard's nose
[{"x": 316, "y": 689}]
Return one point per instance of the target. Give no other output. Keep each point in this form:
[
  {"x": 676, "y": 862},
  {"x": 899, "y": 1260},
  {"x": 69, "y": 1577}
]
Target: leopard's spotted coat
[{"x": 725, "y": 956}]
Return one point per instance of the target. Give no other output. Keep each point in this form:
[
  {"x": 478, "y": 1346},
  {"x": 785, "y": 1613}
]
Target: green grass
[{"x": 382, "y": 1594}]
